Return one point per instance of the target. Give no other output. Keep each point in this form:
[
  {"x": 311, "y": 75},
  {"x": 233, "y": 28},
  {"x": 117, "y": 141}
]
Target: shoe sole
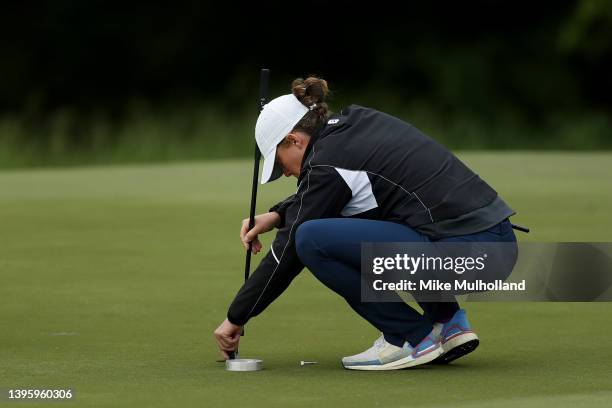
[
  {"x": 457, "y": 347},
  {"x": 406, "y": 362}
]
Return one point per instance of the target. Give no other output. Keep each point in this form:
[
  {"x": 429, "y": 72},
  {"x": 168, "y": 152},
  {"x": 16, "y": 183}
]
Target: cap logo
[{"x": 333, "y": 121}]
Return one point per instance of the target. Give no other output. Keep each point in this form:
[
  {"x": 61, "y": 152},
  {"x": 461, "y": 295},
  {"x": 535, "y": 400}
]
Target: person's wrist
[
  {"x": 277, "y": 218},
  {"x": 233, "y": 325}
]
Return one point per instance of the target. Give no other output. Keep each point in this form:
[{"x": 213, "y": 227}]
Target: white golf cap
[{"x": 276, "y": 120}]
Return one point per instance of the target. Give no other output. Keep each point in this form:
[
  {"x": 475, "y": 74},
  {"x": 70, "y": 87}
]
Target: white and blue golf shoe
[{"x": 385, "y": 356}]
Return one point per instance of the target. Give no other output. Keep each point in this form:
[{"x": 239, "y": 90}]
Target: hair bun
[{"x": 311, "y": 90}]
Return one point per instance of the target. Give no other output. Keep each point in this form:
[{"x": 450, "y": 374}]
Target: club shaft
[
  {"x": 264, "y": 80},
  {"x": 247, "y": 265},
  {"x": 263, "y": 96}
]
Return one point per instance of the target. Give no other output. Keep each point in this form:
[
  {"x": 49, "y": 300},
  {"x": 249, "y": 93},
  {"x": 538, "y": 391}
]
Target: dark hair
[{"x": 312, "y": 92}]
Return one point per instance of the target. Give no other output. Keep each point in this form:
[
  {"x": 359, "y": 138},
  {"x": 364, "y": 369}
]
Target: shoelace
[{"x": 380, "y": 342}]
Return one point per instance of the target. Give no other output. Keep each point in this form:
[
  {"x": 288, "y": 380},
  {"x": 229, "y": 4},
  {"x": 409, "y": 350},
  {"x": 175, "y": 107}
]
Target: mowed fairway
[{"x": 112, "y": 280}]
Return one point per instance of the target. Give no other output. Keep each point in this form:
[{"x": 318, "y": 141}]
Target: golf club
[{"x": 248, "y": 364}]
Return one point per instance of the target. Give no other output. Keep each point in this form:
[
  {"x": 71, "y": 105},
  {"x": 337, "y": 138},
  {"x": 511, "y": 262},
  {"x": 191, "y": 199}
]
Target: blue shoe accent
[
  {"x": 456, "y": 337},
  {"x": 427, "y": 345},
  {"x": 456, "y": 326}
]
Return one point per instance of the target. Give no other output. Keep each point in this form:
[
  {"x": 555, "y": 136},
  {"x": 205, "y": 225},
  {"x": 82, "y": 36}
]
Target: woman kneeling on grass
[{"x": 363, "y": 176}]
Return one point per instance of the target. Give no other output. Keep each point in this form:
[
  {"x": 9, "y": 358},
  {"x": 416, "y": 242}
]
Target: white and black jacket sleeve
[
  {"x": 281, "y": 208},
  {"x": 322, "y": 193}
]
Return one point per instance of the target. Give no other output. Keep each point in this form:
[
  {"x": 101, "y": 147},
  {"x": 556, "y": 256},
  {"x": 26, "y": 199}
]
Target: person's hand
[
  {"x": 263, "y": 223},
  {"x": 227, "y": 336}
]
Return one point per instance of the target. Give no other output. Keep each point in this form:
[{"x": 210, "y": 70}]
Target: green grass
[{"x": 113, "y": 279}]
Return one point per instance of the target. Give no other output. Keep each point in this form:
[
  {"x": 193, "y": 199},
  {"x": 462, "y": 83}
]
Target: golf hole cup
[{"x": 244, "y": 364}]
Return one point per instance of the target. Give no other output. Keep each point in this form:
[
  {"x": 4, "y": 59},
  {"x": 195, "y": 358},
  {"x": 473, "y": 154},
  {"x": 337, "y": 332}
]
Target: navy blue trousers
[{"x": 331, "y": 249}]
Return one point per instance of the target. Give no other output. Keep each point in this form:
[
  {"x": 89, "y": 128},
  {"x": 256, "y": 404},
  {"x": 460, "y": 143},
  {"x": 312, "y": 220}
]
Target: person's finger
[
  {"x": 222, "y": 340},
  {"x": 233, "y": 346},
  {"x": 218, "y": 340},
  {"x": 226, "y": 355},
  {"x": 230, "y": 341},
  {"x": 250, "y": 234},
  {"x": 256, "y": 246},
  {"x": 224, "y": 344},
  {"x": 247, "y": 237},
  {"x": 244, "y": 228},
  {"x": 257, "y": 229}
]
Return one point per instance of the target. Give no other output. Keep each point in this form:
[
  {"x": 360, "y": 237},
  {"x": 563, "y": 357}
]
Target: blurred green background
[{"x": 107, "y": 82}]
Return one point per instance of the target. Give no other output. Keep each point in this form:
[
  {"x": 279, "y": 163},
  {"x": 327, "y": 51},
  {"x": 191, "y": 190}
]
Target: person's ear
[{"x": 294, "y": 139}]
